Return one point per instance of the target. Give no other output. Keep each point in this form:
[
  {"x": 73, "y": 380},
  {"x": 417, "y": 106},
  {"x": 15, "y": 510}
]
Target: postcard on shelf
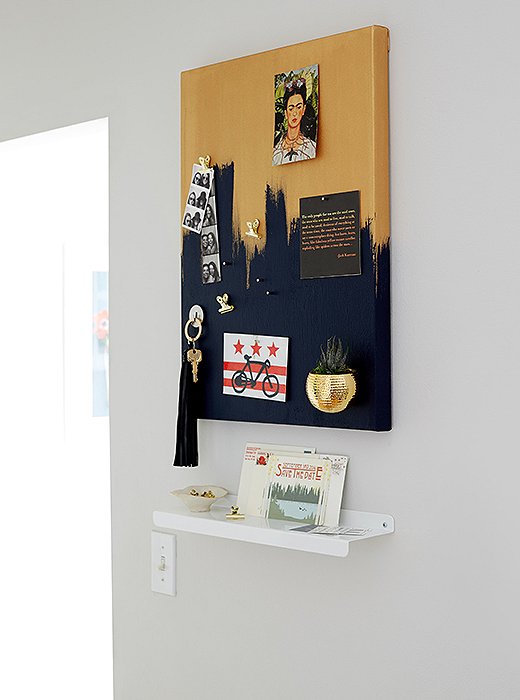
[
  {"x": 291, "y": 479},
  {"x": 254, "y": 475},
  {"x": 297, "y": 489},
  {"x": 330, "y": 236},
  {"x": 198, "y": 198},
  {"x": 326, "y": 530},
  {"x": 338, "y": 472}
]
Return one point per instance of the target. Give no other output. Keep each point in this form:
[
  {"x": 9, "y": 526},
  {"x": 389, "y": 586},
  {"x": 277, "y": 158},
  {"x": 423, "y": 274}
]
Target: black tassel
[{"x": 187, "y": 450}]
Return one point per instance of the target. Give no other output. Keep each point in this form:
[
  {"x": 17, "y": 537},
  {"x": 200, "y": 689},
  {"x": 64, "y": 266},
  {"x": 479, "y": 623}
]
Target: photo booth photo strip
[
  {"x": 210, "y": 269},
  {"x": 209, "y": 243},
  {"x": 255, "y": 366},
  {"x": 199, "y": 194}
]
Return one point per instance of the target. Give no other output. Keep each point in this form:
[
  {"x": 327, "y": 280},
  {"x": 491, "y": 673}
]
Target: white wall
[{"x": 430, "y": 612}]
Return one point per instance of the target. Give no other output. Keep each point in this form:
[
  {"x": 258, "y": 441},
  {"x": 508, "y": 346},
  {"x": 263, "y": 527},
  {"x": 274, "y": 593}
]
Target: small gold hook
[
  {"x": 252, "y": 228},
  {"x": 204, "y": 162},
  {"x": 235, "y": 514},
  {"x": 224, "y": 306}
]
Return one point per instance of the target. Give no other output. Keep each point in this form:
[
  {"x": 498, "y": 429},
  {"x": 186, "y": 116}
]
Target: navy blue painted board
[{"x": 306, "y": 311}]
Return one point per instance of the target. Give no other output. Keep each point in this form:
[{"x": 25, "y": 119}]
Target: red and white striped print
[{"x": 255, "y": 366}]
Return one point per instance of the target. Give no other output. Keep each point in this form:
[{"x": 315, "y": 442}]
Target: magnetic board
[{"x": 227, "y": 111}]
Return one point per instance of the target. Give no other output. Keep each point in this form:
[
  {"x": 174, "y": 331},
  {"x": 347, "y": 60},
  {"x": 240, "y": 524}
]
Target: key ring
[{"x": 197, "y": 323}]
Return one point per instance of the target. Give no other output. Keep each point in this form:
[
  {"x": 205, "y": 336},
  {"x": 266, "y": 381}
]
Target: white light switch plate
[{"x": 164, "y": 563}]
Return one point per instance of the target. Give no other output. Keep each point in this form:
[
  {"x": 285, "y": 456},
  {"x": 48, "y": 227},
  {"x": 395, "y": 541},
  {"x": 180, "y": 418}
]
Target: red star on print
[
  {"x": 256, "y": 348},
  {"x": 272, "y": 349},
  {"x": 238, "y": 346}
]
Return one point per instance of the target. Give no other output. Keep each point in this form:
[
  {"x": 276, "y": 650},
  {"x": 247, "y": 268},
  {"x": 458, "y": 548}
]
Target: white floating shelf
[{"x": 276, "y": 533}]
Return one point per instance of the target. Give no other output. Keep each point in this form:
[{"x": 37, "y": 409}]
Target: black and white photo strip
[
  {"x": 198, "y": 197},
  {"x": 210, "y": 265},
  {"x": 209, "y": 243}
]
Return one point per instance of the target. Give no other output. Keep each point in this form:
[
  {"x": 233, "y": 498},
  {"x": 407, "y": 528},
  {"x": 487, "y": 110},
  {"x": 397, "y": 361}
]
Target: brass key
[{"x": 194, "y": 356}]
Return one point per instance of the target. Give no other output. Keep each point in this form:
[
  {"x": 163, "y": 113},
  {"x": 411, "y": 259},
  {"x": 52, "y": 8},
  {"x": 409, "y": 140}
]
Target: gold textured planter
[{"x": 330, "y": 393}]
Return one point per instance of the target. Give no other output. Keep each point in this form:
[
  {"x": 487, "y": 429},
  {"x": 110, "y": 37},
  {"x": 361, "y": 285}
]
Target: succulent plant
[{"x": 333, "y": 359}]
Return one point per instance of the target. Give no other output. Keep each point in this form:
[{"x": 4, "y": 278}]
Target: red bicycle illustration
[{"x": 244, "y": 378}]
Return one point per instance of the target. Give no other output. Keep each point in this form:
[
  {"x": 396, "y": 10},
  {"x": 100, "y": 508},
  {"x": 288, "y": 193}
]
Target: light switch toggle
[{"x": 163, "y": 563}]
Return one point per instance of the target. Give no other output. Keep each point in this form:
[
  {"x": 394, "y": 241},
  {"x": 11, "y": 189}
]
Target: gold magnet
[
  {"x": 224, "y": 306},
  {"x": 252, "y": 228},
  {"x": 204, "y": 162},
  {"x": 235, "y": 515}
]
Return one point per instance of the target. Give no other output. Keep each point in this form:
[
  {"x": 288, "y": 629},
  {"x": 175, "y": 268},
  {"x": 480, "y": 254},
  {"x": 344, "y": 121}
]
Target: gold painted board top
[{"x": 227, "y": 111}]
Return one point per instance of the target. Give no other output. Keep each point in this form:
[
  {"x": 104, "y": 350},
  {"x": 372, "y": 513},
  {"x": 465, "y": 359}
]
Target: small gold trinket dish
[{"x": 199, "y": 499}]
